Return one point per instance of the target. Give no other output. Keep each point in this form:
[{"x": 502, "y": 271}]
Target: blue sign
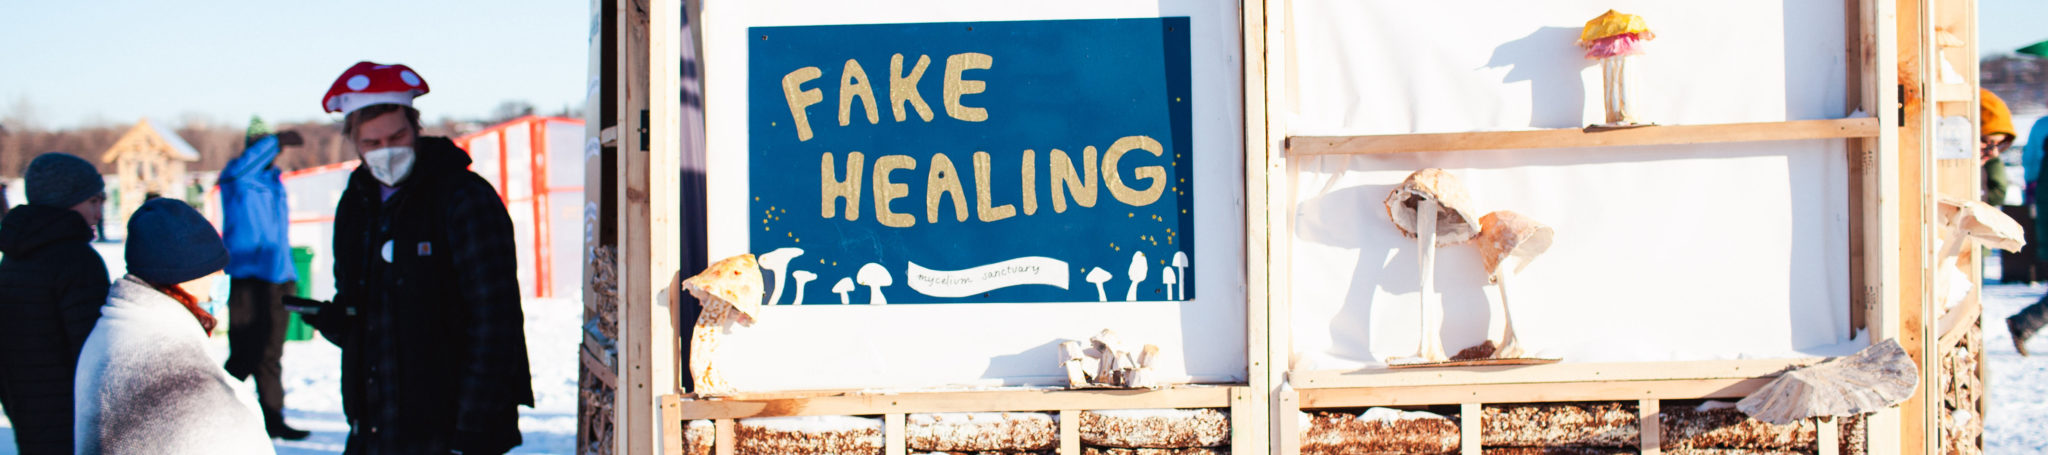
[{"x": 972, "y": 162}]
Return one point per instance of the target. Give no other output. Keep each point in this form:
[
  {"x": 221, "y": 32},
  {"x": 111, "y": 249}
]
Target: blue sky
[
  {"x": 2004, "y": 25},
  {"x": 110, "y": 61}
]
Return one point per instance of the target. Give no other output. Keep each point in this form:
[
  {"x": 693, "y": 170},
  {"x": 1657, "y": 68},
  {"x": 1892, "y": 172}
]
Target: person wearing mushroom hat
[
  {"x": 146, "y": 383},
  {"x": 427, "y": 306},
  {"x": 1995, "y": 135},
  {"x": 254, "y": 224},
  {"x": 52, "y": 284}
]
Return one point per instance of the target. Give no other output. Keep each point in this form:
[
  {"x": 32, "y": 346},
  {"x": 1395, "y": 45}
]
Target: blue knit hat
[
  {"x": 169, "y": 243},
  {"x": 61, "y": 180}
]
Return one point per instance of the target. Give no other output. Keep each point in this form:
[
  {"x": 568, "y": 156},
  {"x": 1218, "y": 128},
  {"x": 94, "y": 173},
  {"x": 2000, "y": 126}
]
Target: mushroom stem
[
  {"x": 1180, "y": 286},
  {"x": 875, "y": 296},
  {"x": 1510, "y": 347},
  {"x": 1613, "y": 71},
  {"x": 1431, "y": 348},
  {"x": 1101, "y": 295}
]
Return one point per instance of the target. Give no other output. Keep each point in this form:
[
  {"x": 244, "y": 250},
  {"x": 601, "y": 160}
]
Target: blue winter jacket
[{"x": 255, "y": 216}]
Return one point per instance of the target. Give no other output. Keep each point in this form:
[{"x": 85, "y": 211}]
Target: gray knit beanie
[
  {"x": 170, "y": 243},
  {"x": 61, "y": 180}
]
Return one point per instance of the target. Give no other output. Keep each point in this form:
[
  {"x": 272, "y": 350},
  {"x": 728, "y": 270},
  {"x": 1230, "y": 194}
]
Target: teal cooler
[{"x": 302, "y": 261}]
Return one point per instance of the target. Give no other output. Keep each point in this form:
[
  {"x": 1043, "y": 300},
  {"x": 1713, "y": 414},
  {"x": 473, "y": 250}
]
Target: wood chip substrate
[
  {"x": 1124, "y": 451},
  {"x": 1723, "y": 428},
  {"x": 594, "y": 415},
  {"x": 914, "y": 452},
  {"x": 1557, "y": 451},
  {"x": 1608, "y": 425},
  {"x": 1379, "y": 430},
  {"x": 973, "y": 432},
  {"x": 698, "y": 437},
  {"x": 820, "y": 435},
  {"x": 1155, "y": 429},
  {"x": 1962, "y": 393}
]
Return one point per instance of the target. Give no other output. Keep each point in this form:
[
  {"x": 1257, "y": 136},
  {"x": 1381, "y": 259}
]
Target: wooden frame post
[{"x": 1265, "y": 257}]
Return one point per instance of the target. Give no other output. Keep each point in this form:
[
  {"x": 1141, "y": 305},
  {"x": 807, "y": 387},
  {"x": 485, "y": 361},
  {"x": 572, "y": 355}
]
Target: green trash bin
[{"x": 302, "y": 262}]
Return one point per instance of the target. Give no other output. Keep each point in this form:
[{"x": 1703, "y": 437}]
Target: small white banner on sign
[{"x": 966, "y": 282}]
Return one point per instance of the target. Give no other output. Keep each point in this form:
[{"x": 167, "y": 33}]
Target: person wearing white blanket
[{"x": 145, "y": 381}]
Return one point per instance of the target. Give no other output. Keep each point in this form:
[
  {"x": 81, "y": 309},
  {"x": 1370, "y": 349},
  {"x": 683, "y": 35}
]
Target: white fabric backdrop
[{"x": 1662, "y": 253}]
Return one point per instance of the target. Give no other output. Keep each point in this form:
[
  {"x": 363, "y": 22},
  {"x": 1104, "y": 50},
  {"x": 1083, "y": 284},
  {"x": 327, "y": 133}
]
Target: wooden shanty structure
[
  {"x": 148, "y": 160},
  {"x": 1888, "y": 85}
]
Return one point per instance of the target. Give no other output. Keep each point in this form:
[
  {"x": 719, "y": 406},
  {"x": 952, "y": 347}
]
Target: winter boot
[
  {"x": 277, "y": 429},
  {"x": 2019, "y": 335}
]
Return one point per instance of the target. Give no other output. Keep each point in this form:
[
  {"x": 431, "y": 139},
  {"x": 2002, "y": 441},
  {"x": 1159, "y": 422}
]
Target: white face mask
[{"x": 390, "y": 164}]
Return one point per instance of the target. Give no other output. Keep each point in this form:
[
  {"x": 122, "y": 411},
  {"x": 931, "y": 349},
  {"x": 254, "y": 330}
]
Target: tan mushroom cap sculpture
[
  {"x": 730, "y": 292},
  {"x": 1507, "y": 242},
  {"x": 1431, "y": 206},
  {"x": 1966, "y": 220}
]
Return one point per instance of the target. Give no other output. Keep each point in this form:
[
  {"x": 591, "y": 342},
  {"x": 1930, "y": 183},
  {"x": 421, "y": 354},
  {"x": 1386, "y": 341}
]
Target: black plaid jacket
[{"x": 435, "y": 357}]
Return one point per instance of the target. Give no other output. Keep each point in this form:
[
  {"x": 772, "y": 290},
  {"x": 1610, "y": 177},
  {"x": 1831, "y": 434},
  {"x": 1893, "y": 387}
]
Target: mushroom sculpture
[
  {"x": 1967, "y": 220},
  {"x": 845, "y": 290},
  {"x": 1137, "y": 273},
  {"x": 875, "y": 277},
  {"x": 1168, "y": 278},
  {"x": 1431, "y": 206},
  {"x": 1099, "y": 276},
  {"x": 730, "y": 292},
  {"x": 1612, "y": 38},
  {"x": 1507, "y": 242},
  {"x": 776, "y": 262},
  {"x": 801, "y": 277}
]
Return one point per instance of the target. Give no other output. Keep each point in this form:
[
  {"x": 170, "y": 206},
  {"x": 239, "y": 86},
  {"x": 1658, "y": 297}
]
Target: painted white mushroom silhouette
[
  {"x": 844, "y": 288},
  {"x": 1099, "y": 276},
  {"x": 875, "y": 277},
  {"x": 1138, "y": 272},
  {"x": 1167, "y": 277},
  {"x": 800, "y": 277},
  {"x": 776, "y": 262},
  {"x": 1180, "y": 267}
]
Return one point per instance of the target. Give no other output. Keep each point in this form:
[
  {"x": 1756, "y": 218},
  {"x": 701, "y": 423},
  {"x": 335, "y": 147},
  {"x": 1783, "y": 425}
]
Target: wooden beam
[
  {"x": 893, "y": 437},
  {"x": 1469, "y": 440},
  {"x": 1553, "y": 373},
  {"x": 671, "y": 426},
  {"x": 640, "y": 379},
  {"x": 598, "y": 370},
  {"x": 1957, "y": 93},
  {"x": 1070, "y": 432},
  {"x": 1574, "y": 137},
  {"x": 1878, "y": 26},
  {"x": 725, "y": 437},
  {"x": 1828, "y": 437},
  {"x": 974, "y": 401},
  {"x": 1263, "y": 29},
  {"x": 1529, "y": 393},
  {"x": 1958, "y": 322},
  {"x": 1650, "y": 424}
]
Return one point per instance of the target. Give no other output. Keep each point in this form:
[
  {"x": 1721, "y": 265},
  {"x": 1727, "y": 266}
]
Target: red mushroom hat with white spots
[{"x": 370, "y": 83}]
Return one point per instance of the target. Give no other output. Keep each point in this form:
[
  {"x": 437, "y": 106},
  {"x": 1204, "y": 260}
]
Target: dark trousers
[
  {"x": 2031, "y": 319},
  {"x": 2023, "y": 266},
  {"x": 256, "y": 324}
]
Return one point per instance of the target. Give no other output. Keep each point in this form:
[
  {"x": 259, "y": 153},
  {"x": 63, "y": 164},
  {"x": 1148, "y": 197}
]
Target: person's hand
[{"x": 290, "y": 139}]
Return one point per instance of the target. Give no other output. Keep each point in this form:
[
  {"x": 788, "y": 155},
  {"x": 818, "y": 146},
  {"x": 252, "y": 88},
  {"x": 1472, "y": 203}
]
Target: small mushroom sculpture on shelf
[
  {"x": 1431, "y": 206},
  {"x": 1612, "y": 38},
  {"x": 1107, "y": 361},
  {"x": 1507, "y": 242},
  {"x": 730, "y": 292}
]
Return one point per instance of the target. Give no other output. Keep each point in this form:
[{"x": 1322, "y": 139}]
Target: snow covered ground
[{"x": 312, "y": 381}]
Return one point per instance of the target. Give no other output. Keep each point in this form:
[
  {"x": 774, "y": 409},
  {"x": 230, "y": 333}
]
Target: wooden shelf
[
  {"x": 1548, "y": 374},
  {"x": 960, "y": 401},
  {"x": 1527, "y": 393},
  {"x": 1575, "y": 137}
]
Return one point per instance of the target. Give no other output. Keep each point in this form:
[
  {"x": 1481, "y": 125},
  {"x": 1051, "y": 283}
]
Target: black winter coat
[
  {"x": 435, "y": 356},
  {"x": 52, "y": 284}
]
